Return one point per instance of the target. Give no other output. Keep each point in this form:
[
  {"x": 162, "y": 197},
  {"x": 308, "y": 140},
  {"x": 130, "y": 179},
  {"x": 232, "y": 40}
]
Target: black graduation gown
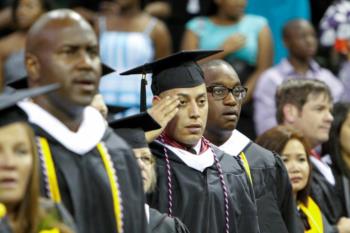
[
  {"x": 85, "y": 189},
  {"x": 198, "y": 199},
  {"x": 273, "y": 191},
  {"x": 161, "y": 223},
  {"x": 327, "y": 197}
]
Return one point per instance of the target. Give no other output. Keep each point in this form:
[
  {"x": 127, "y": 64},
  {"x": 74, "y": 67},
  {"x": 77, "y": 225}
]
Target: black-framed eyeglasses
[{"x": 220, "y": 92}]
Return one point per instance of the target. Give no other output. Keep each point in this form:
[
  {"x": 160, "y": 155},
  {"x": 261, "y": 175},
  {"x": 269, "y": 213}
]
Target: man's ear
[
  {"x": 155, "y": 100},
  {"x": 290, "y": 113},
  {"x": 33, "y": 67}
]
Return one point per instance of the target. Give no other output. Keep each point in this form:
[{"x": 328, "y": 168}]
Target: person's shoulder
[
  {"x": 259, "y": 157},
  {"x": 256, "y": 20},
  {"x": 198, "y": 23},
  {"x": 229, "y": 163}
]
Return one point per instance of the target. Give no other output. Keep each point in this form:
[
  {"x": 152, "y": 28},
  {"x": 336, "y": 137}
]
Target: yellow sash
[
  {"x": 314, "y": 216},
  {"x": 2, "y": 210},
  {"x": 246, "y": 166},
  {"x": 52, "y": 183}
]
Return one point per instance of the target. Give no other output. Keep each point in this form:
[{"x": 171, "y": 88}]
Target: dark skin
[
  {"x": 223, "y": 114},
  {"x": 62, "y": 48},
  {"x": 301, "y": 41}
]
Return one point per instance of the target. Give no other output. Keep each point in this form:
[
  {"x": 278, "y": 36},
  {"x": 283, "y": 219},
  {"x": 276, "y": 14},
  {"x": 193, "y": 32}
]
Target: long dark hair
[
  {"x": 276, "y": 139},
  {"x": 333, "y": 146}
]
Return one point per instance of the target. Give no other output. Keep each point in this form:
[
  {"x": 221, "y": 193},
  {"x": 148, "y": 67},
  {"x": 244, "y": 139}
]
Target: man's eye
[{"x": 219, "y": 91}]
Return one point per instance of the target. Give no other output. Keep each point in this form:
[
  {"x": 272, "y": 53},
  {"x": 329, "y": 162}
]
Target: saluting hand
[{"x": 162, "y": 112}]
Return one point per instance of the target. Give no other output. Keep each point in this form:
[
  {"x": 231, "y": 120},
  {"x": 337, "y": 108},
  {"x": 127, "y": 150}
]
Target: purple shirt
[
  {"x": 264, "y": 94},
  {"x": 344, "y": 75}
]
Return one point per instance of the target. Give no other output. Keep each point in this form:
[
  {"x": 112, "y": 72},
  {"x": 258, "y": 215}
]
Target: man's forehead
[
  {"x": 69, "y": 34},
  {"x": 318, "y": 98},
  {"x": 188, "y": 91}
]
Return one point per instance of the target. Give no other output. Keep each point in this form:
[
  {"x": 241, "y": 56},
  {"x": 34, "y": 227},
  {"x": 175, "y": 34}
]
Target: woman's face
[
  {"x": 16, "y": 161},
  {"x": 345, "y": 139},
  {"x": 295, "y": 159},
  {"x": 27, "y": 12},
  {"x": 146, "y": 162}
]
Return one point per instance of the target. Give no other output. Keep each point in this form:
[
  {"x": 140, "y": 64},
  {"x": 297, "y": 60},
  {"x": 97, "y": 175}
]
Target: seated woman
[
  {"x": 26, "y": 212},
  {"x": 247, "y": 45},
  {"x": 294, "y": 151},
  {"x": 129, "y": 38},
  {"x": 24, "y": 13}
]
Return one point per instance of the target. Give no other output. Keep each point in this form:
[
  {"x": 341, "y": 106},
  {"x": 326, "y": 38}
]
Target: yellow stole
[
  {"x": 314, "y": 216},
  {"x": 246, "y": 166},
  {"x": 52, "y": 183}
]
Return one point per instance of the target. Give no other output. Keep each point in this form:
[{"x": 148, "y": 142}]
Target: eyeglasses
[
  {"x": 147, "y": 160},
  {"x": 220, "y": 92}
]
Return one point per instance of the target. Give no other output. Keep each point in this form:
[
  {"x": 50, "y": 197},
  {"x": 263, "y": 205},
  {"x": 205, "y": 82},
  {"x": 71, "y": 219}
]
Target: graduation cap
[
  {"x": 142, "y": 120},
  {"x": 178, "y": 70},
  {"x": 21, "y": 82},
  {"x": 9, "y": 112},
  {"x": 132, "y": 129}
]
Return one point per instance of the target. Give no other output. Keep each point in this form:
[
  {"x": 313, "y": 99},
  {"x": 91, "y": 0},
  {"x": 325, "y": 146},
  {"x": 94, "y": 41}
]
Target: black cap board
[
  {"x": 9, "y": 112},
  {"x": 134, "y": 137},
  {"x": 178, "y": 70},
  {"x": 142, "y": 120},
  {"x": 21, "y": 82}
]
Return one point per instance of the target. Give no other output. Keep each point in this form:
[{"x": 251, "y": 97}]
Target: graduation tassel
[
  {"x": 168, "y": 170},
  {"x": 143, "y": 105}
]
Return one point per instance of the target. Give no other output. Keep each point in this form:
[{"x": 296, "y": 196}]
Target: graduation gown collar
[
  {"x": 197, "y": 162},
  {"x": 89, "y": 134},
  {"x": 235, "y": 144}
]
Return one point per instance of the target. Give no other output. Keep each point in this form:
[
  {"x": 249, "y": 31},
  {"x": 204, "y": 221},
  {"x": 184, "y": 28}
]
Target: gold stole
[{"x": 52, "y": 183}]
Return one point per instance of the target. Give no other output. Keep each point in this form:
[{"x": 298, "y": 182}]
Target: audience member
[
  {"x": 24, "y": 13},
  {"x": 301, "y": 42},
  {"x": 294, "y": 151},
  {"x": 127, "y": 39},
  {"x": 307, "y": 106},
  {"x": 247, "y": 45}
]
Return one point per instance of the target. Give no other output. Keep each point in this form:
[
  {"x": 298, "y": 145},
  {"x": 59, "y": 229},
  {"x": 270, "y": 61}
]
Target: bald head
[
  {"x": 44, "y": 28},
  {"x": 63, "y": 48},
  {"x": 216, "y": 65}
]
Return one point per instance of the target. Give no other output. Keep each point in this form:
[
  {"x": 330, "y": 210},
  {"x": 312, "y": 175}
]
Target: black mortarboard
[
  {"x": 21, "y": 82},
  {"x": 134, "y": 137},
  {"x": 142, "y": 120},
  {"x": 178, "y": 70},
  {"x": 9, "y": 112}
]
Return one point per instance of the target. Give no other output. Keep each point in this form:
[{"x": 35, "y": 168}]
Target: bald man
[
  {"x": 300, "y": 39},
  {"x": 84, "y": 164}
]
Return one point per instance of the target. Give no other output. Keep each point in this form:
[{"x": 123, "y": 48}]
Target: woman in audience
[
  {"x": 129, "y": 38},
  {"x": 294, "y": 151},
  {"x": 246, "y": 41},
  {"x": 24, "y": 14}
]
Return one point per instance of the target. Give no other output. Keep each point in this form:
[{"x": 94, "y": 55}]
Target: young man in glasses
[{"x": 269, "y": 177}]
